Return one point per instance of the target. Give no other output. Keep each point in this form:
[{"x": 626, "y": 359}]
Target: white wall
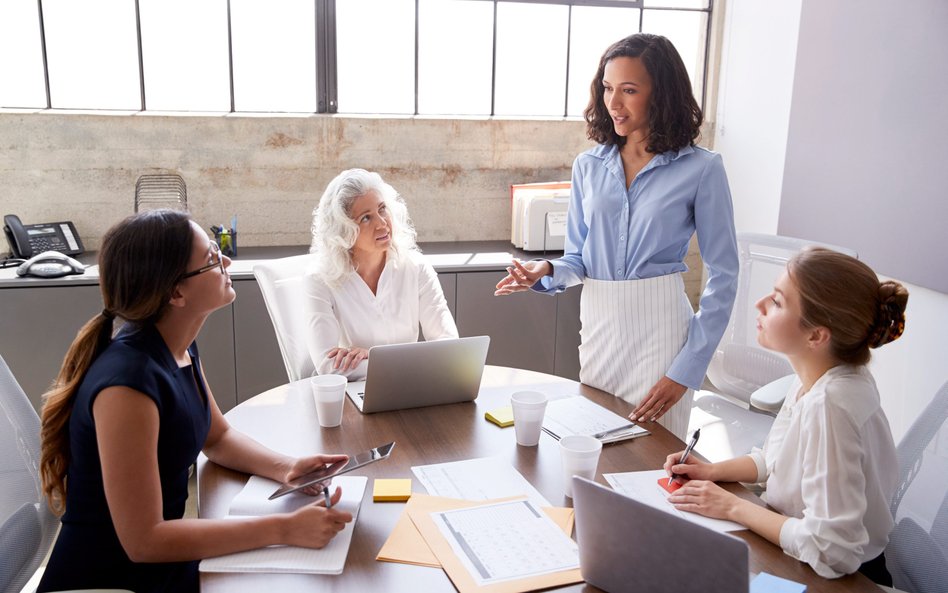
[
  {"x": 753, "y": 109},
  {"x": 767, "y": 129},
  {"x": 865, "y": 159}
]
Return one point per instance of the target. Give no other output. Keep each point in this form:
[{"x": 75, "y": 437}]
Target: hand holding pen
[{"x": 671, "y": 461}]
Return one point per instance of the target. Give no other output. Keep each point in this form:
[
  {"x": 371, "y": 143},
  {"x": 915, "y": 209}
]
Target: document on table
[
  {"x": 643, "y": 487},
  {"x": 252, "y": 500},
  {"x": 506, "y": 541},
  {"x": 579, "y": 415},
  {"x": 483, "y": 478}
]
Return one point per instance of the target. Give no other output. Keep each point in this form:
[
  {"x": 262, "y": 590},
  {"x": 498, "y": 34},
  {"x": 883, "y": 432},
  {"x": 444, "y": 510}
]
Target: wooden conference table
[{"x": 284, "y": 419}]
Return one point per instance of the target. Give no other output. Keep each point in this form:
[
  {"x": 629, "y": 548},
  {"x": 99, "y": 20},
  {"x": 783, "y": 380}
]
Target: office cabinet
[
  {"x": 238, "y": 344},
  {"x": 37, "y": 325},
  {"x": 522, "y": 327}
]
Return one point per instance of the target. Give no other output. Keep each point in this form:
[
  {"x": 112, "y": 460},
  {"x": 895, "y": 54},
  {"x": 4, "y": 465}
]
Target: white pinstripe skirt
[{"x": 632, "y": 330}]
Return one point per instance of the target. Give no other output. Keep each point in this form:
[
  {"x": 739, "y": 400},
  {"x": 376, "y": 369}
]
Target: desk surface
[
  {"x": 444, "y": 256},
  {"x": 284, "y": 419}
]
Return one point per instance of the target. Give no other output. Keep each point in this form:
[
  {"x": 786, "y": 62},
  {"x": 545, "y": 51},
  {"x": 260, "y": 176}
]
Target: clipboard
[{"x": 458, "y": 573}]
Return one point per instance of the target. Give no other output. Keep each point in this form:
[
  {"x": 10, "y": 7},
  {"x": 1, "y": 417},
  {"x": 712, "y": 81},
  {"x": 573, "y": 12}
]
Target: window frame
[{"x": 327, "y": 99}]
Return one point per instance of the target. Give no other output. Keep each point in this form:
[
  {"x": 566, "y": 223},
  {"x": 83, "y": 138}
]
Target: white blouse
[
  {"x": 830, "y": 465},
  {"x": 350, "y": 316}
]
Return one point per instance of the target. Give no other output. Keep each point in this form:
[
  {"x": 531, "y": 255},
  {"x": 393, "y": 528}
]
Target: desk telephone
[{"x": 46, "y": 247}]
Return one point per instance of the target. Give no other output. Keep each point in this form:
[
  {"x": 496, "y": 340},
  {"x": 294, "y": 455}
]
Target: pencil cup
[
  {"x": 329, "y": 393},
  {"x": 528, "y": 409},
  {"x": 580, "y": 454}
]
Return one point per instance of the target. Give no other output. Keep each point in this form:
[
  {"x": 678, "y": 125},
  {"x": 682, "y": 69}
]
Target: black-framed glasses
[{"x": 215, "y": 252}]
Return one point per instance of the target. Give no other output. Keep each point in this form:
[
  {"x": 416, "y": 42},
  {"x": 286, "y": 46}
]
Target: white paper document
[
  {"x": 484, "y": 478},
  {"x": 643, "y": 487},
  {"x": 507, "y": 541},
  {"x": 252, "y": 500},
  {"x": 579, "y": 415}
]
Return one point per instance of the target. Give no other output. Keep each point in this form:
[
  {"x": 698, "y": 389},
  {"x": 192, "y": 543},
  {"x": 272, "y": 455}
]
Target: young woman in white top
[
  {"x": 369, "y": 284},
  {"x": 829, "y": 461}
]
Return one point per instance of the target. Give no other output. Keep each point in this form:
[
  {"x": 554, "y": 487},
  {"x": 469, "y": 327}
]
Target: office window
[
  {"x": 429, "y": 57},
  {"x": 274, "y": 55},
  {"x": 22, "y": 82},
  {"x": 185, "y": 55},
  {"x": 694, "y": 4},
  {"x": 687, "y": 30},
  {"x": 593, "y": 29},
  {"x": 92, "y": 53},
  {"x": 455, "y": 47},
  {"x": 375, "y": 53},
  {"x": 531, "y": 59}
]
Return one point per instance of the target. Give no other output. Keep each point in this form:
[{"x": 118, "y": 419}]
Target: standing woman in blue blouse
[{"x": 636, "y": 199}]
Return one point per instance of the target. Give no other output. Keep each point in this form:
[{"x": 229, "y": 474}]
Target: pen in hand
[
  {"x": 328, "y": 499},
  {"x": 684, "y": 456}
]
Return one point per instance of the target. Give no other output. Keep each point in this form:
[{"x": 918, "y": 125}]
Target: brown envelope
[{"x": 407, "y": 545}]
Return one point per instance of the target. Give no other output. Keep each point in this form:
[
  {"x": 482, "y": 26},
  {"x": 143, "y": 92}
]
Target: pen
[
  {"x": 684, "y": 457},
  {"x": 326, "y": 494}
]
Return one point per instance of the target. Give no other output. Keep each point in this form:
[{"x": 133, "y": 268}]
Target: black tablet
[{"x": 329, "y": 471}]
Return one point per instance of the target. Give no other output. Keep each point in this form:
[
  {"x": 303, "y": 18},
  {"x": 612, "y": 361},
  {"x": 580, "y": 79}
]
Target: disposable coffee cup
[
  {"x": 580, "y": 455},
  {"x": 329, "y": 393},
  {"x": 528, "y": 409}
]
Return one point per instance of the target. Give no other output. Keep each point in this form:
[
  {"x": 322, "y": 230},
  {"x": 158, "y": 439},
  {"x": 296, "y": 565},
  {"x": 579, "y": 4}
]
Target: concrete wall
[{"x": 271, "y": 170}]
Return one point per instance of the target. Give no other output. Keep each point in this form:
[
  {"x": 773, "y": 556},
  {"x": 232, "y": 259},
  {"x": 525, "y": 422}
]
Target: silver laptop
[
  {"x": 418, "y": 374},
  {"x": 625, "y": 545}
]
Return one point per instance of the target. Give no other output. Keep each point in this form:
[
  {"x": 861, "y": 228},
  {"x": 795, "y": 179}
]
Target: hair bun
[{"x": 890, "y": 321}]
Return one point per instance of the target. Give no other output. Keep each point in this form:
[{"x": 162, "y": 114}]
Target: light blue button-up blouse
[{"x": 619, "y": 233}]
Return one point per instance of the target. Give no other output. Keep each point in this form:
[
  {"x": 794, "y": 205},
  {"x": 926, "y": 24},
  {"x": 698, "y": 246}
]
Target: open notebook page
[{"x": 252, "y": 500}]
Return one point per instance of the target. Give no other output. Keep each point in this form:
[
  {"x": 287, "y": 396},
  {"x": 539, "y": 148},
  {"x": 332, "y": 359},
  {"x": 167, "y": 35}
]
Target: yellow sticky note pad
[
  {"x": 391, "y": 490},
  {"x": 502, "y": 417}
]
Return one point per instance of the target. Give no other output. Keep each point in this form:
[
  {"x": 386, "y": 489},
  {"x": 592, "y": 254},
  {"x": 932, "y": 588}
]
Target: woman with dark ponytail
[
  {"x": 128, "y": 415},
  {"x": 829, "y": 461}
]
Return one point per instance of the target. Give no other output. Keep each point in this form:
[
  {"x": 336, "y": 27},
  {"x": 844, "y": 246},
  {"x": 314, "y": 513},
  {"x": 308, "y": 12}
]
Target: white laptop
[
  {"x": 625, "y": 545},
  {"x": 418, "y": 374}
]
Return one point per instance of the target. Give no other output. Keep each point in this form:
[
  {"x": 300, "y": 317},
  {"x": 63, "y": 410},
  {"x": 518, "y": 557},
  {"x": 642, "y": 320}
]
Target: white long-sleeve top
[
  {"x": 830, "y": 465},
  {"x": 350, "y": 316}
]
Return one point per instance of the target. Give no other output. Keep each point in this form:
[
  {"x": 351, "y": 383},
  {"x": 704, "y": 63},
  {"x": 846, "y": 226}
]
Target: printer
[{"x": 538, "y": 215}]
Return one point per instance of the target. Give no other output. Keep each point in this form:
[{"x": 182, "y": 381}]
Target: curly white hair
[{"x": 334, "y": 231}]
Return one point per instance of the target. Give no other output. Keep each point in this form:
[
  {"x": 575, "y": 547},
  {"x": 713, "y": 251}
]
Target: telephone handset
[
  {"x": 28, "y": 240},
  {"x": 50, "y": 264}
]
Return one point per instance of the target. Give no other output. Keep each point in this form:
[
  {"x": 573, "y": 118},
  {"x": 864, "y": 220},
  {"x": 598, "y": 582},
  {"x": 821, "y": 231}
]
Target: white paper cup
[
  {"x": 580, "y": 455},
  {"x": 329, "y": 393},
  {"x": 528, "y": 409}
]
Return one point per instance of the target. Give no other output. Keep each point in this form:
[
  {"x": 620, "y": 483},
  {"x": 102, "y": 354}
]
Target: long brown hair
[
  {"x": 844, "y": 295},
  {"x": 674, "y": 117},
  {"x": 140, "y": 262}
]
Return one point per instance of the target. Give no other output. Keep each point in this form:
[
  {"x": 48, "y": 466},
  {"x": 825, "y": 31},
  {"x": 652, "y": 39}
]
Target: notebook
[
  {"x": 252, "y": 500},
  {"x": 417, "y": 374}
]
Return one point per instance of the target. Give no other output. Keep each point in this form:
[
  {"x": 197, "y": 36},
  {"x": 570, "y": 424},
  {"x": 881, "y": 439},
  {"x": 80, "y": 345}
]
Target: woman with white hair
[{"x": 369, "y": 284}]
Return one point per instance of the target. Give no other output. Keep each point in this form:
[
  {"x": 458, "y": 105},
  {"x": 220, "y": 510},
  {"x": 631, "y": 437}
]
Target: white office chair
[
  {"x": 281, "y": 282},
  {"x": 917, "y": 554},
  {"x": 27, "y": 526},
  {"x": 750, "y": 382}
]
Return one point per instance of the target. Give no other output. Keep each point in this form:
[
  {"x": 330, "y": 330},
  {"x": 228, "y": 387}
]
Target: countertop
[{"x": 448, "y": 256}]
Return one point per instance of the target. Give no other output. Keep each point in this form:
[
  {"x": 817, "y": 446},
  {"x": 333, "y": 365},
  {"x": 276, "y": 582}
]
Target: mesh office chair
[
  {"x": 752, "y": 381},
  {"x": 917, "y": 554},
  {"x": 281, "y": 282},
  {"x": 27, "y": 526}
]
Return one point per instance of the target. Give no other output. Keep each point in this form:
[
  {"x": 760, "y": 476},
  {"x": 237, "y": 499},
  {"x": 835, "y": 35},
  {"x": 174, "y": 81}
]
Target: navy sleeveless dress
[{"x": 88, "y": 553}]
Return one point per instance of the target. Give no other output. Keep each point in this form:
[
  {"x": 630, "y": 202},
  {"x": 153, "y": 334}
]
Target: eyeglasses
[{"x": 219, "y": 263}]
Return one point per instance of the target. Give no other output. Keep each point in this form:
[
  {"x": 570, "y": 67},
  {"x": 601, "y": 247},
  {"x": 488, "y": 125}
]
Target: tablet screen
[{"x": 335, "y": 469}]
